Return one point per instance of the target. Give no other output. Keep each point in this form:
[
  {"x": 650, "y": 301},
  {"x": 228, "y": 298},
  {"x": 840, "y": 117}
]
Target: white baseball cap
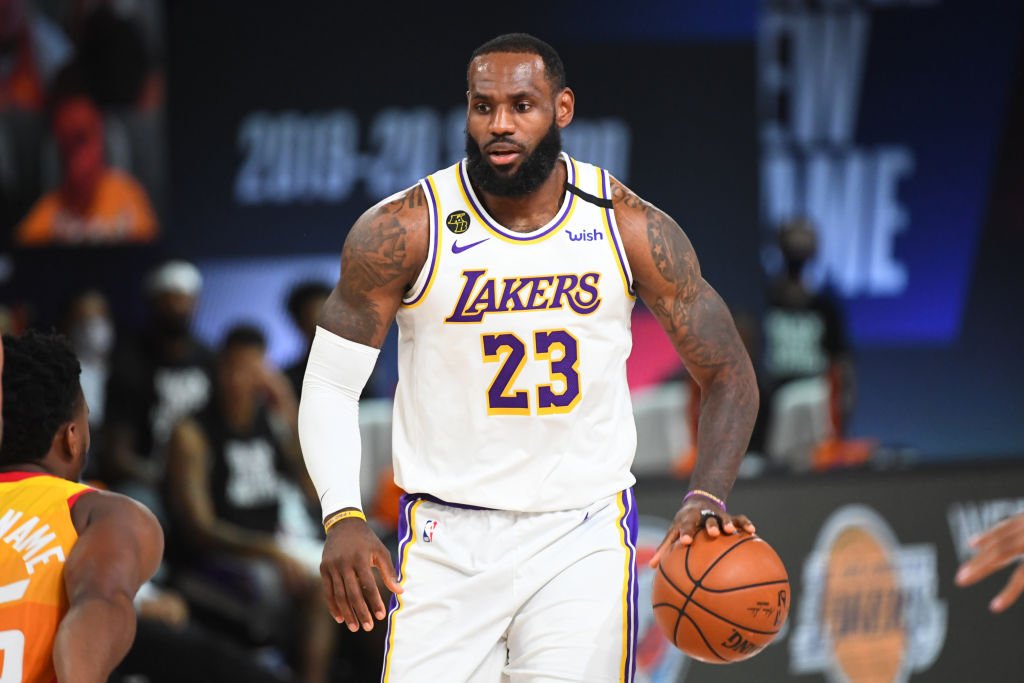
[{"x": 174, "y": 276}]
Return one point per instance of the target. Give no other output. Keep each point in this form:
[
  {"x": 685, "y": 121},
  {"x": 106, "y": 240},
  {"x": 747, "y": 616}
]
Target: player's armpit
[
  {"x": 119, "y": 547},
  {"x": 383, "y": 254}
]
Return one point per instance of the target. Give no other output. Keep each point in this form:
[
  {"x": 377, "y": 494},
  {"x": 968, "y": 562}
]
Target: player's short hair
[
  {"x": 303, "y": 293},
  {"x": 244, "y": 335},
  {"x": 41, "y": 391},
  {"x": 524, "y": 43}
]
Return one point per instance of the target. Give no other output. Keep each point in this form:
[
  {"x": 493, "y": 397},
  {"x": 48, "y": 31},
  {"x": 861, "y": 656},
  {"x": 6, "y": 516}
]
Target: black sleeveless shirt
[{"x": 245, "y": 470}]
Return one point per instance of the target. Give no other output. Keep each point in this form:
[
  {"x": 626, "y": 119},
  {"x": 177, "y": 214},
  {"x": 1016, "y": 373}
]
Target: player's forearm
[
  {"x": 728, "y": 409},
  {"x": 337, "y": 371},
  {"x": 93, "y": 638}
]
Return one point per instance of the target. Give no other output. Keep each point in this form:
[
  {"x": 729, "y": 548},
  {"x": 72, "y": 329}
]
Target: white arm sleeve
[{"x": 337, "y": 371}]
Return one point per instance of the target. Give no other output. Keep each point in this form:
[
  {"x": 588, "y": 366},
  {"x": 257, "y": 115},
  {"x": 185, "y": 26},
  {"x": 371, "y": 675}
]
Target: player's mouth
[{"x": 502, "y": 154}]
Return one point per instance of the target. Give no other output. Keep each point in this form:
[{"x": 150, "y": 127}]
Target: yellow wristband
[{"x": 344, "y": 514}]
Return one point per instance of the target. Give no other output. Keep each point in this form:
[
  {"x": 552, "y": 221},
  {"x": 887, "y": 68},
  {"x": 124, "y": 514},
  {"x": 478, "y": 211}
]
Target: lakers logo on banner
[
  {"x": 457, "y": 222},
  {"x": 870, "y": 611}
]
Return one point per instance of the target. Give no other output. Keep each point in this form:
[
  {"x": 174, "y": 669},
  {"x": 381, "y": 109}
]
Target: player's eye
[
  {"x": 523, "y": 107},
  {"x": 481, "y": 108}
]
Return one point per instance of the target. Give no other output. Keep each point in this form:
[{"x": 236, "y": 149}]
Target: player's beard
[{"x": 533, "y": 171}]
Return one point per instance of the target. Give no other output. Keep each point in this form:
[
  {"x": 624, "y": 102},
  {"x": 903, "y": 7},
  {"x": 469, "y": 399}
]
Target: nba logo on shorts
[{"x": 428, "y": 530}]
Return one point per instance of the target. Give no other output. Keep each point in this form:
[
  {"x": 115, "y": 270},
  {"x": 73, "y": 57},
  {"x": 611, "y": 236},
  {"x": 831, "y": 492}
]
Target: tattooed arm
[
  {"x": 667, "y": 277},
  {"x": 383, "y": 254}
]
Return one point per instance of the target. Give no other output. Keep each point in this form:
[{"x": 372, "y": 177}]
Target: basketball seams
[
  {"x": 672, "y": 583},
  {"x": 739, "y": 588},
  {"x": 719, "y": 558},
  {"x": 733, "y": 623},
  {"x": 689, "y": 599},
  {"x": 697, "y": 582},
  {"x": 700, "y": 633}
]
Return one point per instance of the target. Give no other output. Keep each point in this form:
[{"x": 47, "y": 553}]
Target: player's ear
[
  {"x": 72, "y": 441},
  {"x": 565, "y": 107}
]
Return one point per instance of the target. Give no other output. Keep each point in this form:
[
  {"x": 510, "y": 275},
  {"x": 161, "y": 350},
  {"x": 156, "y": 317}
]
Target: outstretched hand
[
  {"x": 996, "y": 548},
  {"x": 698, "y": 513},
  {"x": 351, "y": 551}
]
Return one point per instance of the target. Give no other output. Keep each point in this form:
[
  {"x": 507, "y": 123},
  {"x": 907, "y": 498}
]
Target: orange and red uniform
[{"x": 36, "y": 537}]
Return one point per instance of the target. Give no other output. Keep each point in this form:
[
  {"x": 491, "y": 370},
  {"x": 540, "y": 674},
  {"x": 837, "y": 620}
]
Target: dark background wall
[{"x": 284, "y": 122}]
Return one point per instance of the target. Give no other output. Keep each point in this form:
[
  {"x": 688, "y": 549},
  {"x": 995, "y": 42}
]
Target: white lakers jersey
[{"x": 512, "y": 352}]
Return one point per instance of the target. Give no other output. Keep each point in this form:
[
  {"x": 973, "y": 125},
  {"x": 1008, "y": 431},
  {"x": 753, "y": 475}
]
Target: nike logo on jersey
[
  {"x": 456, "y": 249},
  {"x": 480, "y": 296}
]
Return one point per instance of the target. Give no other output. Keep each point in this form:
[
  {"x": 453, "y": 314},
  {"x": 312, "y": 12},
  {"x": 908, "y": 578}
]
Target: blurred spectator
[
  {"x": 157, "y": 377},
  {"x": 304, "y": 303},
  {"x": 807, "y": 372},
  {"x": 7, "y": 325},
  {"x": 117, "y": 64},
  {"x": 32, "y": 51},
  {"x": 89, "y": 326},
  {"x": 95, "y": 203},
  {"x": 227, "y": 470},
  {"x": 169, "y": 647}
]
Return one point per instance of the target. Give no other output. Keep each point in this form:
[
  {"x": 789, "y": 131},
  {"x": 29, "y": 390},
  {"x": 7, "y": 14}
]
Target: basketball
[{"x": 721, "y": 600}]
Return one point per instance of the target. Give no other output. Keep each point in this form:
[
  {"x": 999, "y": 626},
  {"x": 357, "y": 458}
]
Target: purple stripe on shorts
[
  {"x": 630, "y": 526},
  {"x": 405, "y": 504}
]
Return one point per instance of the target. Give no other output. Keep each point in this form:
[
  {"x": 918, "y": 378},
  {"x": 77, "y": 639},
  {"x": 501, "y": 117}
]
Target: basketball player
[
  {"x": 71, "y": 558},
  {"x": 512, "y": 275}
]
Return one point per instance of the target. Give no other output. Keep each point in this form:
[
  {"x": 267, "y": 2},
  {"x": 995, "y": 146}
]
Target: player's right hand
[
  {"x": 351, "y": 552},
  {"x": 691, "y": 519}
]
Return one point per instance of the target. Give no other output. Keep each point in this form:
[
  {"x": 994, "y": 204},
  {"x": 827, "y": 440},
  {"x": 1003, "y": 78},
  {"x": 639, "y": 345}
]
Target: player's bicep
[
  {"x": 382, "y": 256},
  {"x": 118, "y": 550},
  {"x": 668, "y": 278}
]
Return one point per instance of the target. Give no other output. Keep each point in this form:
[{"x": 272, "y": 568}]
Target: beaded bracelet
[
  {"x": 704, "y": 494},
  {"x": 344, "y": 514}
]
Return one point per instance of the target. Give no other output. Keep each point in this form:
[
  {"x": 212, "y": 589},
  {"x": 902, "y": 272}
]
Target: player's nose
[{"x": 502, "y": 122}]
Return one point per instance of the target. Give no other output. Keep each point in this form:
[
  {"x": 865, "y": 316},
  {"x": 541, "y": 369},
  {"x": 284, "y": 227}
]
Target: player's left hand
[
  {"x": 699, "y": 513},
  {"x": 996, "y": 548}
]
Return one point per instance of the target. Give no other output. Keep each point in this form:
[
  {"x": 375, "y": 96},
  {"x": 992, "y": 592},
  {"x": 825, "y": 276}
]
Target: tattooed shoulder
[
  {"x": 655, "y": 244},
  {"x": 388, "y": 244}
]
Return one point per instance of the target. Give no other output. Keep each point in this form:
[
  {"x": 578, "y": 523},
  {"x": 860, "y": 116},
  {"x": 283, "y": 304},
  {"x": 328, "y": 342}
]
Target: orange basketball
[{"x": 721, "y": 600}]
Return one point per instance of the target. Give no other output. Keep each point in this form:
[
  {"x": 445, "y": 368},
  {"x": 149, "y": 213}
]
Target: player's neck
[
  {"x": 529, "y": 212},
  {"x": 36, "y": 467}
]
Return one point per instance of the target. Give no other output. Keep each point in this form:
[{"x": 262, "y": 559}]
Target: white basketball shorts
[{"x": 508, "y": 597}]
